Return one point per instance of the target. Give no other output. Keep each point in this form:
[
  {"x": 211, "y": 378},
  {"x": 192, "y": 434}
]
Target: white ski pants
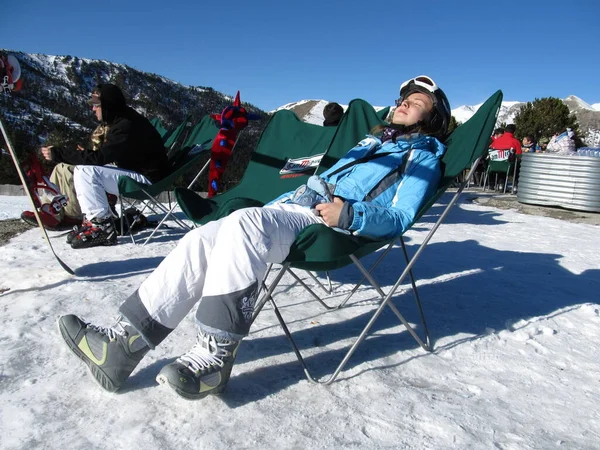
[
  {"x": 219, "y": 265},
  {"x": 93, "y": 182}
]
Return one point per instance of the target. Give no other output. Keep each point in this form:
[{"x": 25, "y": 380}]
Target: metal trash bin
[{"x": 571, "y": 182}]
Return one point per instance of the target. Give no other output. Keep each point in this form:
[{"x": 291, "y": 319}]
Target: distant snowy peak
[
  {"x": 508, "y": 111},
  {"x": 311, "y": 111},
  {"x": 596, "y": 106},
  {"x": 464, "y": 113},
  {"x": 575, "y": 103}
]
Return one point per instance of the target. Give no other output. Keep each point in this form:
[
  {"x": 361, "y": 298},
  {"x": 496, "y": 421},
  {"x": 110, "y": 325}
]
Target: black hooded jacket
[{"x": 131, "y": 142}]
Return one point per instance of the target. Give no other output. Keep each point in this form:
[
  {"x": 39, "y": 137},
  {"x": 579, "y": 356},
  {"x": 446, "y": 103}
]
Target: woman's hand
[{"x": 330, "y": 212}]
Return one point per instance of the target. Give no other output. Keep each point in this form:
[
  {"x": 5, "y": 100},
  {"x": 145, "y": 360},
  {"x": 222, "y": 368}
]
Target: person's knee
[
  {"x": 64, "y": 168},
  {"x": 85, "y": 173},
  {"x": 242, "y": 218},
  {"x": 190, "y": 237},
  {"x": 78, "y": 174}
]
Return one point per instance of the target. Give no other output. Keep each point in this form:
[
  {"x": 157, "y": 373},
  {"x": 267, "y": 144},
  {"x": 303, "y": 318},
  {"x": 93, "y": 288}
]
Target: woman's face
[
  {"x": 413, "y": 108},
  {"x": 98, "y": 111}
]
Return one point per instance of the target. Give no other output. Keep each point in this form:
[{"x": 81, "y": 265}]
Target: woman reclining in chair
[{"x": 374, "y": 191}]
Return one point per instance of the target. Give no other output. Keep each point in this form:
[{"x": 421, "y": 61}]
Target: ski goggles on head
[{"x": 423, "y": 81}]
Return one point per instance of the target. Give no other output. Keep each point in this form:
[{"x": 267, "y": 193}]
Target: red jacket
[{"x": 507, "y": 141}]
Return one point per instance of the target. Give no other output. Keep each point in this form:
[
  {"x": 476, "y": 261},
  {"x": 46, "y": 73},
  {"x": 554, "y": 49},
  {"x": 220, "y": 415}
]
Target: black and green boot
[
  {"x": 204, "y": 370},
  {"x": 110, "y": 353}
]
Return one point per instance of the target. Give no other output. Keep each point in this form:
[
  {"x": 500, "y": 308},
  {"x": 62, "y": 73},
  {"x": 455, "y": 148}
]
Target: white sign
[{"x": 300, "y": 165}]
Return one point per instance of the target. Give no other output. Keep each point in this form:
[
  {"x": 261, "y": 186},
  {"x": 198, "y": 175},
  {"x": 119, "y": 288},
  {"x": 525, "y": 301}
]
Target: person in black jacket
[
  {"x": 332, "y": 113},
  {"x": 131, "y": 147}
]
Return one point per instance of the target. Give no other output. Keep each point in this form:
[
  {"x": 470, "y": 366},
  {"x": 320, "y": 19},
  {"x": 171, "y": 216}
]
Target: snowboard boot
[
  {"x": 204, "y": 370},
  {"x": 84, "y": 225},
  {"x": 111, "y": 354},
  {"x": 99, "y": 232}
]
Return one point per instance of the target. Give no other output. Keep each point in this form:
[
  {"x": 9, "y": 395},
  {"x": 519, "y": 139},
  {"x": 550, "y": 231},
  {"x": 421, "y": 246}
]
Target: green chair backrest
[
  {"x": 159, "y": 127},
  {"x": 503, "y": 166},
  {"x": 286, "y": 154},
  {"x": 471, "y": 139},
  {"x": 286, "y": 142},
  {"x": 202, "y": 133},
  {"x": 171, "y": 137},
  {"x": 130, "y": 188},
  {"x": 383, "y": 113},
  {"x": 318, "y": 247},
  {"x": 358, "y": 120},
  {"x": 467, "y": 143}
]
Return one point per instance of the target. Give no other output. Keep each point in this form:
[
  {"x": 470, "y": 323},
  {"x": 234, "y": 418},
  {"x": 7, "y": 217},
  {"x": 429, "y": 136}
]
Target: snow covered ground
[
  {"x": 511, "y": 301},
  {"x": 12, "y": 207}
]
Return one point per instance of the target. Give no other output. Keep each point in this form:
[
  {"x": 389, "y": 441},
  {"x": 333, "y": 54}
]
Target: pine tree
[
  {"x": 453, "y": 125},
  {"x": 545, "y": 117}
]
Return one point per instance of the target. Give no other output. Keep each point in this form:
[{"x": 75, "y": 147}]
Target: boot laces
[
  {"x": 118, "y": 329},
  {"x": 206, "y": 353}
]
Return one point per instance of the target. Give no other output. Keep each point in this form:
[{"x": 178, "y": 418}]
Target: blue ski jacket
[{"x": 382, "y": 195}]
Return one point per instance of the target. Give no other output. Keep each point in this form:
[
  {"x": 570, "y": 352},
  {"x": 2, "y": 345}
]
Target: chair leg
[
  {"x": 417, "y": 296},
  {"x": 385, "y": 296},
  {"x": 125, "y": 219},
  {"x": 386, "y": 299},
  {"x": 163, "y": 220},
  {"x": 305, "y": 286},
  {"x": 385, "y": 302},
  {"x": 371, "y": 269},
  {"x": 328, "y": 290}
]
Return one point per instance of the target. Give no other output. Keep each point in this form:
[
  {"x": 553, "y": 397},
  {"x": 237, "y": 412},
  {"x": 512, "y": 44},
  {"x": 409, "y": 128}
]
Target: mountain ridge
[
  {"x": 587, "y": 115},
  {"x": 57, "y": 87},
  {"x": 51, "y": 107}
]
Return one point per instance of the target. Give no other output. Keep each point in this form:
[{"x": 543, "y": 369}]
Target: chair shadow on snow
[
  {"x": 119, "y": 268},
  {"x": 459, "y": 216}
]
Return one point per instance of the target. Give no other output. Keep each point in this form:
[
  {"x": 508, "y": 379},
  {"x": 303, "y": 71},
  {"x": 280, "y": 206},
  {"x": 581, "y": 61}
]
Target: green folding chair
[
  {"x": 182, "y": 161},
  {"x": 320, "y": 248},
  {"x": 499, "y": 162},
  {"x": 159, "y": 127},
  {"x": 287, "y": 152},
  {"x": 171, "y": 137},
  {"x": 199, "y": 138}
]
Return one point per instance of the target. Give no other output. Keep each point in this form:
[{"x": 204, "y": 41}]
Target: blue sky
[{"x": 276, "y": 52}]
